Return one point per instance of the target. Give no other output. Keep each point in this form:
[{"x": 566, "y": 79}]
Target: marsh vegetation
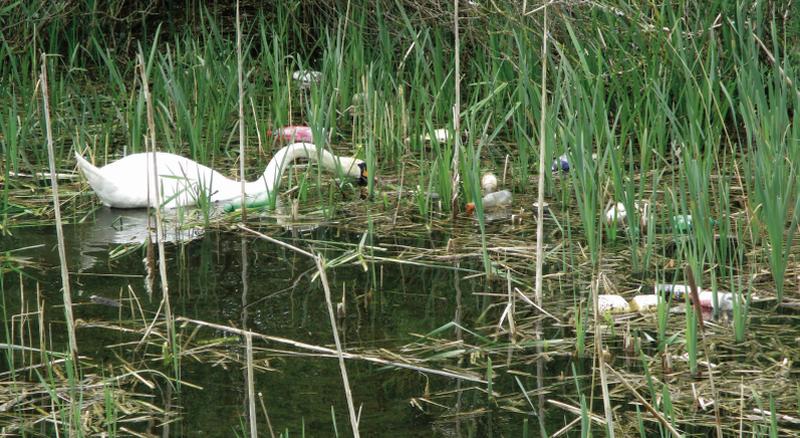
[{"x": 650, "y": 148}]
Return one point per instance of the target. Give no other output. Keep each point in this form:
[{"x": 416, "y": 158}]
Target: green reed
[{"x": 772, "y": 135}]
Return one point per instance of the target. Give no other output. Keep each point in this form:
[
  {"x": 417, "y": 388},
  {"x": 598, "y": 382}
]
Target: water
[
  {"x": 401, "y": 312},
  {"x": 386, "y": 305}
]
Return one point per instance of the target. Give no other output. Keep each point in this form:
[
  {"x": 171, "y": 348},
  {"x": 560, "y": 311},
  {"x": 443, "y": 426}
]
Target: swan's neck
[{"x": 284, "y": 157}]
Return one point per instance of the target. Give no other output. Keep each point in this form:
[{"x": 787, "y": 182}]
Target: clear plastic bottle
[{"x": 497, "y": 199}]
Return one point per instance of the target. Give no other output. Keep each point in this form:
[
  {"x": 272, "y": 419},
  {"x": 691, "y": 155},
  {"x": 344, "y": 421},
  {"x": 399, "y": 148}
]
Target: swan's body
[{"x": 127, "y": 183}]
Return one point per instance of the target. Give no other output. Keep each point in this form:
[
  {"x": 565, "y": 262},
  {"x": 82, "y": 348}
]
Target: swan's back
[{"x": 125, "y": 182}]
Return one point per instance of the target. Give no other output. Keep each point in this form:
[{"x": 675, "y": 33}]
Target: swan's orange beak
[{"x": 470, "y": 208}]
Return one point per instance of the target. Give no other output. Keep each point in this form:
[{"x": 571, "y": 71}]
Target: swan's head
[
  {"x": 355, "y": 168},
  {"x": 362, "y": 173}
]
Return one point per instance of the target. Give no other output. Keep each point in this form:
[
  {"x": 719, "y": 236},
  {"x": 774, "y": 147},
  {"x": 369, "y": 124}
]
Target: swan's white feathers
[{"x": 125, "y": 182}]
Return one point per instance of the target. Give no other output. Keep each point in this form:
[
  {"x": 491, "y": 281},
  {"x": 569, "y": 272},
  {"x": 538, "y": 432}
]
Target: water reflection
[{"x": 111, "y": 227}]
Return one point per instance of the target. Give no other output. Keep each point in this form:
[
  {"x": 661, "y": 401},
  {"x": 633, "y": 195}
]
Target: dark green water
[{"x": 386, "y": 305}]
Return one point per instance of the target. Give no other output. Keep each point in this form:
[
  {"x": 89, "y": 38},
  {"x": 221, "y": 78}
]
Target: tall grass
[{"x": 772, "y": 136}]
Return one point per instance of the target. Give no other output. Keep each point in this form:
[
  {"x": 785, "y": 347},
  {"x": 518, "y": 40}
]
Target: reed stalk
[
  {"x": 540, "y": 216},
  {"x": 62, "y": 255},
  {"x": 242, "y": 143},
  {"x": 456, "y": 113},
  {"x": 162, "y": 261}
]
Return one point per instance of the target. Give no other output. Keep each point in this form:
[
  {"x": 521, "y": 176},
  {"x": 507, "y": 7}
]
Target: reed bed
[{"x": 683, "y": 114}]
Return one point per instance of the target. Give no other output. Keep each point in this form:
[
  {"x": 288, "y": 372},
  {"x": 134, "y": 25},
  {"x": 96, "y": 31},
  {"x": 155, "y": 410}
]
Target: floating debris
[
  {"x": 489, "y": 183},
  {"x": 560, "y": 163},
  {"x": 682, "y": 223},
  {"x": 97, "y": 299},
  {"x": 307, "y": 78},
  {"x": 612, "y": 304},
  {"x": 441, "y": 135},
  {"x": 724, "y": 299},
  {"x": 294, "y": 133},
  {"x": 644, "y": 303},
  {"x": 671, "y": 290},
  {"x": 492, "y": 201},
  {"x": 497, "y": 200},
  {"x": 545, "y": 206},
  {"x": 679, "y": 291},
  {"x": 616, "y": 214}
]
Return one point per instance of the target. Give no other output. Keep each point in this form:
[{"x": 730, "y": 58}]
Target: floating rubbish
[
  {"x": 678, "y": 291},
  {"x": 616, "y": 214},
  {"x": 724, "y": 300},
  {"x": 561, "y": 163},
  {"x": 497, "y": 200},
  {"x": 489, "y": 183},
  {"x": 307, "y": 78},
  {"x": 644, "y": 303},
  {"x": 441, "y": 135},
  {"x": 682, "y": 223},
  {"x": 492, "y": 201},
  {"x": 97, "y": 299},
  {"x": 612, "y": 304},
  {"x": 545, "y": 206},
  {"x": 673, "y": 290},
  {"x": 294, "y": 133}
]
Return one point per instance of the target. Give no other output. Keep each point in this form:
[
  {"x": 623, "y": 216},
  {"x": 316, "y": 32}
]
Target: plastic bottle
[
  {"x": 674, "y": 290},
  {"x": 561, "y": 163},
  {"x": 644, "y": 303},
  {"x": 616, "y": 213},
  {"x": 612, "y": 304},
  {"x": 497, "y": 199}
]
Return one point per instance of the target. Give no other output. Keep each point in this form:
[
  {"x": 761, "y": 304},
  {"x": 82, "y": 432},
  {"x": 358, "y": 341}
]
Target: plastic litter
[
  {"x": 560, "y": 163},
  {"x": 497, "y": 200},
  {"x": 612, "y": 304},
  {"x": 489, "y": 183},
  {"x": 294, "y": 133},
  {"x": 616, "y": 213},
  {"x": 307, "y": 78},
  {"x": 644, "y": 303}
]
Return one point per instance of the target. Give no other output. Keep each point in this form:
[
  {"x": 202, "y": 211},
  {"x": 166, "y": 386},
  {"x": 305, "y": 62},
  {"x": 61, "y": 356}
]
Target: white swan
[{"x": 125, "y": 182}]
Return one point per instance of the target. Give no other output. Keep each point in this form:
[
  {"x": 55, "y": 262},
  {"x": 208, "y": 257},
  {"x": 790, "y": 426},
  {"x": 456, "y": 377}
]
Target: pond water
[
  {"x": 412, "y": 294},
  {"x": 388, "y": 305}
]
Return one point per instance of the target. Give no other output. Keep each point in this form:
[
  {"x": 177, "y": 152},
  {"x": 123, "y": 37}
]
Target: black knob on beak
[{"x": 362, "y": 180}]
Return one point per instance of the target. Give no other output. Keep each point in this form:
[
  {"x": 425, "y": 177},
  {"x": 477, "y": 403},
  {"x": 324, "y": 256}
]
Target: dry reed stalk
[
  {"x": 332, "y": 315},
  {"x": 162, "y": 262},
  {"x": 62, "y": 254},
  {"x": 698, "y": 316},
  {"x": 251, "y": 393},
  {"x": 598, "y": 344},
  {"x": 266, "y": 415},
  {"x": 540, "y": 221},
  {"x": 456, "y": 113},
  {"x": 241, "y": 109}
]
